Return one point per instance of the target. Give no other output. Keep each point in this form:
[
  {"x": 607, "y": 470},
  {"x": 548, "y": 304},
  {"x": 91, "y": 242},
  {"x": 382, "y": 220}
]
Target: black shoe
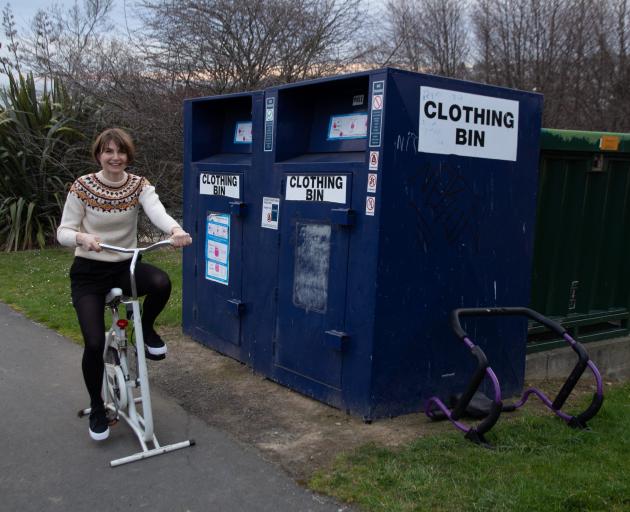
[
  {"x": 99, "y": 424},
  {"x": 154, "y": 347}
]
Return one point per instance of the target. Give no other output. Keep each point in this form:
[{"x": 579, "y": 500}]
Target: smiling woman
[{"x": 103, "y": 207}]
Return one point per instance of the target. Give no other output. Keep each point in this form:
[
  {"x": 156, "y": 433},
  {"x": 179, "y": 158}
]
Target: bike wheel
[{"x": 115, "y": 380}]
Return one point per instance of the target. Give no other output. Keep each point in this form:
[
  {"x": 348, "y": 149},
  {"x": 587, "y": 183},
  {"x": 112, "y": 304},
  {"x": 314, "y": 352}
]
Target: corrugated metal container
[{"x": 581, "y": 272}]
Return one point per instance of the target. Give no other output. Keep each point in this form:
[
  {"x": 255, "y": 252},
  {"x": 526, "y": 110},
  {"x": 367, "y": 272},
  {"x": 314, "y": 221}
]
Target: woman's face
[{"x": 113, "y": 161}]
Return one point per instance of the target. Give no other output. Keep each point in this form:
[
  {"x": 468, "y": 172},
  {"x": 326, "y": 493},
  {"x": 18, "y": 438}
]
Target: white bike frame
[{"x": 117, "y": 379}]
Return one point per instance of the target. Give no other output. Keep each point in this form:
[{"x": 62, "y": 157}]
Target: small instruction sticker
[
  {"x": 347, "y": 126},
  {"x": 243, "y": 133},
  {"x": 218, "y": 248},
  {"x": 370, "y": 205},
  {"x": 373, "y": 161},
  {"x": 376, "y": 113},
  {"x": 609, "y": 143},
  {"x": 371, "y": 184},
  {"x": 269, "y": 117},
  {"x": 358, "y": 99},
  {"x": 270, "y": 212}
]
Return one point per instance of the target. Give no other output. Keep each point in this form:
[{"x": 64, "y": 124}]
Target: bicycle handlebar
[
  {"x": 139, "y": 250},
  {"x": 136, "y": 251}
]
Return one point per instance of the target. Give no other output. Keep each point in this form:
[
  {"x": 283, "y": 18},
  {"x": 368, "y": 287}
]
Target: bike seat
[{"x": 112, "y": 295}]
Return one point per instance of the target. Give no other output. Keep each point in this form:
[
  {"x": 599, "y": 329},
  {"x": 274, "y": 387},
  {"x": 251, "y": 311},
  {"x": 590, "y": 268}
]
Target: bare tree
[
  {"x": 67, "y": 41},
  {"x": 426, "y": 35},
  {"x": 620, "y": 76},
  {"x": 230, "y": 45},
  {"x": 519, "y": 42}
]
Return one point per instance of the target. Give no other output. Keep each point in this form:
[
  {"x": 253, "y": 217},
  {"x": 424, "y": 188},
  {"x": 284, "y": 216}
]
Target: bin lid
[{"x": 576, "y": 140}]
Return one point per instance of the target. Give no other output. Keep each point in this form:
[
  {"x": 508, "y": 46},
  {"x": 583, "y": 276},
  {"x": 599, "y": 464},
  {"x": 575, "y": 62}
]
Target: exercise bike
[{"x": 126, "y": 385}]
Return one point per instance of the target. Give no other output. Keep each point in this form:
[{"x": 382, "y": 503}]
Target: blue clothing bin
[{"x": 397, "y": 197}]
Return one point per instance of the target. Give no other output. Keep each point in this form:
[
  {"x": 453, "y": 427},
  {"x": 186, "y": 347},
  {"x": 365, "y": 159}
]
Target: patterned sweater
[{"x": 109, "y": 210}]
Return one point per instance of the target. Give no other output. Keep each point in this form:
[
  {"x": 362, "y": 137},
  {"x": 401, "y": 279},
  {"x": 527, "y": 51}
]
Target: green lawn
[
  {"x": 539, "y": 464},
  {"x": 37, "y": 283}
]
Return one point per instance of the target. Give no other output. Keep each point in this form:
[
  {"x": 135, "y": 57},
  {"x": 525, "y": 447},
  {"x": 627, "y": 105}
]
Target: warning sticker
[
  {"x": 320, "y": 188},
  {"x": 458, "y": 123},
  {"x": 347, "y": 126},
  {"x": 269, "y": 117},
  {"x": 270, "y": 211},
  {"x": 227, "y": 185},
  {"x": 609, "y": 143},
  {"x": 371, "y": 184},
  {"x": 218, "y": 247},
  {"x": 370, "y": 205},
  {"x": 376, "y": 114},
  {"x": 373, "y": 166},
  {"x": 243, "y": 133}
]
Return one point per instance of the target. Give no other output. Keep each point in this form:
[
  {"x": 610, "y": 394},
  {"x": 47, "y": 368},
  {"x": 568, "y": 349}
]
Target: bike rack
[{"x": 477, "y": 433}]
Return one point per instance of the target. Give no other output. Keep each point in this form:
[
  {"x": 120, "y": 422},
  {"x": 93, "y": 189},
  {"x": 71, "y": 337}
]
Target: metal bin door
[
  {"x": 219, "y": 270},
  {"x": 313, "y": 266}
]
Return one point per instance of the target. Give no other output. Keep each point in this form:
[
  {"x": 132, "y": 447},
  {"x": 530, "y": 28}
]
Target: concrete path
[{"x": 49, "y": 463}]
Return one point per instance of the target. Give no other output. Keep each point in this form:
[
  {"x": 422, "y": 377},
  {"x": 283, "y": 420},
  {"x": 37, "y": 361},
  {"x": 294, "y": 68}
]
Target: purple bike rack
[{"x": 477, "y": 433}]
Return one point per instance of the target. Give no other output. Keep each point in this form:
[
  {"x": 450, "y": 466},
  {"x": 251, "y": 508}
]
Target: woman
[{"x": 103, "y": 207}]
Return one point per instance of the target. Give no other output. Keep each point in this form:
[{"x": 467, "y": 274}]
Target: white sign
[
  {"x": 319, "y": 188},
  {"x": 220, "y": 185},
  {"x": 459, "y": 123},
  {"x": 243, "y": 133},
  {"x": 218, "y": 251},
  {"x": 217, "y": 272},
  {"x": 370, "y": 205},
  {"x": 270, "y": 212},
  {"x": 371, "y": 185},
  {"x": 373, "y": 166},
  {"x": 348, "y": 126},
  {"x": 218, "y": 247}
]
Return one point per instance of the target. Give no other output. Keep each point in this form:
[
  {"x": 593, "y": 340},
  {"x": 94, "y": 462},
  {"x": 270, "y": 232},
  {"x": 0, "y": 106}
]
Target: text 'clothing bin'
[{"x": 386, "y": 199}]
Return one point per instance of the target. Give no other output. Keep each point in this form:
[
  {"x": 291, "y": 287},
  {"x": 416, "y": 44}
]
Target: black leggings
[{"x": 90, "y": 307}]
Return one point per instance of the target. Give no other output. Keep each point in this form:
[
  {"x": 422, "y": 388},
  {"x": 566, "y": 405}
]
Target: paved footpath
[{"x": 49, "y": 463}]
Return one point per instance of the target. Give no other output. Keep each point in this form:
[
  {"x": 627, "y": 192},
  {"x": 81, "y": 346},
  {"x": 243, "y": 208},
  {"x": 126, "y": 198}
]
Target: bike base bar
[{"x": 152, "y": 453}]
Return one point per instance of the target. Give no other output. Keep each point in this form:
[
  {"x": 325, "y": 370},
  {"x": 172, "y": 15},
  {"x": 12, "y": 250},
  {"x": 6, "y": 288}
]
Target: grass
[
  {"x": 538, "y": 464},
  {"x": 37, "y": 284}
]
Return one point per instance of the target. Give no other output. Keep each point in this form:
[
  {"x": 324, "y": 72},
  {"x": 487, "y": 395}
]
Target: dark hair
[{"x": 119, "y": 137}]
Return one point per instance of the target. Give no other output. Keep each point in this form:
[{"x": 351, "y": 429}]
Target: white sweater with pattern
[{"x": 109, "y": 210}]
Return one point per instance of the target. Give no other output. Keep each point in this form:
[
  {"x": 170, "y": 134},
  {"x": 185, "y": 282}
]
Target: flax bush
[{"x": 41, "y": 144}]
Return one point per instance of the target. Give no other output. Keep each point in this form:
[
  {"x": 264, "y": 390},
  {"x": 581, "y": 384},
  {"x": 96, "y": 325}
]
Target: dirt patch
[{"x": 297, "y": 433}]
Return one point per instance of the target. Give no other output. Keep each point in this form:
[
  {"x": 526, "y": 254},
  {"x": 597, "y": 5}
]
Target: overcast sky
[{"x": 24, "y": 10}]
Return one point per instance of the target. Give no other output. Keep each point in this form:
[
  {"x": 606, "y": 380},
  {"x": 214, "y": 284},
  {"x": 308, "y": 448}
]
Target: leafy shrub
[{"x": 40, "y": 143}]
